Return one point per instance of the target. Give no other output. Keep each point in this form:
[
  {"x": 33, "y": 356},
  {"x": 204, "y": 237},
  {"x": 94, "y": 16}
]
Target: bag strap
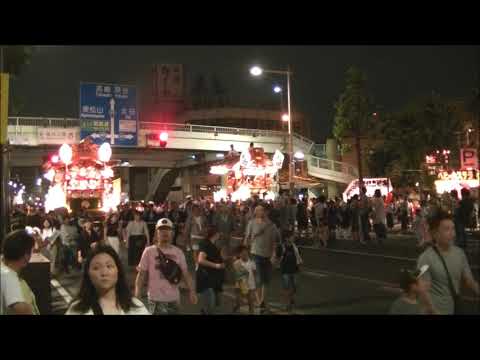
[
  {"x": 450, "y": 282},
  {"x": 161, "y": 255},
  {"x": 97, "y": 309}
]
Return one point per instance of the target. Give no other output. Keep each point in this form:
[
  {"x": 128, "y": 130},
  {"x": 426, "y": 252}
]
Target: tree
[
  {"x": 422, "y": 127},
  {"x": 15, "y": 58},
  {"x": 352, "y": 112}
]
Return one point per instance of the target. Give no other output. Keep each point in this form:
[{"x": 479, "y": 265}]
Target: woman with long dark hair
[{"x": 104, "y": 288}]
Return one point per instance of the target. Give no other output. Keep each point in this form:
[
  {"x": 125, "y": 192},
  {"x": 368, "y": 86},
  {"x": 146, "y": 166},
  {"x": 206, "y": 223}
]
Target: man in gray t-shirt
[
  {"x": 458, "y": 267},
  {"x": 439, "y": 299},
  {"x": 263, "y": 236}
]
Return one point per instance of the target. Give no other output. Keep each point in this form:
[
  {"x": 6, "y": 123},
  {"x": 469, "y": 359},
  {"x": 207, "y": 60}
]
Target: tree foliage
[
  {"x": 353, "y": 106},
  {"x": 422, "y": 127},
  {"x": 15, "y": 58}
]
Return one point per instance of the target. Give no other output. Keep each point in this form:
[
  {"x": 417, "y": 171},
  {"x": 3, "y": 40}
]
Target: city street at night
[{"x": 240, "y": 180}]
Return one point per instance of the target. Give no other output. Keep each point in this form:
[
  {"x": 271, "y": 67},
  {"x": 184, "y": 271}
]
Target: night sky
[{"x": 396, "y": 74}]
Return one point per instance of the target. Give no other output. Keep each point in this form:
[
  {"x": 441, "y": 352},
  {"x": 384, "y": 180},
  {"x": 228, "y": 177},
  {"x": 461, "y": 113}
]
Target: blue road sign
[{"x": 108, "y": 113}]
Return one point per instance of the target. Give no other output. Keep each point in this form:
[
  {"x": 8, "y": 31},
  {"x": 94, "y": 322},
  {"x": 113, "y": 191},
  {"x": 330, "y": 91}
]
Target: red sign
[{"x": 469, "y": 158}]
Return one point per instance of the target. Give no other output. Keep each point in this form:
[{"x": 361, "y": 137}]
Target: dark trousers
[
  {"x": 390, "y": 221},
  {"x": 365, "y": 224},
  {"x": 380, "y": 231},
  {"x": 404, "y": 219},
  {"x": 136, "y": 245},
  {"x": 460, "y": 235},
  {"x": 69, "y": 257}
]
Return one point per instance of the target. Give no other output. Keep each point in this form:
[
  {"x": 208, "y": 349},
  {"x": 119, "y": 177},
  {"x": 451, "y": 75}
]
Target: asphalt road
[{"x": 346, "y": 278}]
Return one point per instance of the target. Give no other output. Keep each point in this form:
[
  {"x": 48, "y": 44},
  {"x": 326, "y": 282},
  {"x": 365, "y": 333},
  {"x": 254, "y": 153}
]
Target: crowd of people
[{"x": 237, "y": 243}]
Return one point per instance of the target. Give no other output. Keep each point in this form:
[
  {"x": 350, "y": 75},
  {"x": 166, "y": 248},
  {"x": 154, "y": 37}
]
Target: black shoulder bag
[
  {"x": 169, "y": 268},
  {"x": 453, "y": 293}
]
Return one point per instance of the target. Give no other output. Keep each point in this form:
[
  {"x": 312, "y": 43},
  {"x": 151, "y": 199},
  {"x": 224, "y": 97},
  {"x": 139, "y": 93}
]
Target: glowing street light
[
  {"x": 256, "y": 71},
  {"x": 299, "y": 155},
  {"x": 277, "y": 89}
]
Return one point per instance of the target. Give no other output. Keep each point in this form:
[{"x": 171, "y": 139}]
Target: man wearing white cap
[{"x": 163, "y": 293}]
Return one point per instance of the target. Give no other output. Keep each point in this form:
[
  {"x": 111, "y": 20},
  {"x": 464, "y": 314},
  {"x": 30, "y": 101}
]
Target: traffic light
[{"x": 163, "y": 139}]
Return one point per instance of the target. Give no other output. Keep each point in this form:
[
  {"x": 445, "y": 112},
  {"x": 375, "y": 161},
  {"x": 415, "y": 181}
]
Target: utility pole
[
  {"x": 359, "y": 158},
  {"x": 5, "y": 198}
]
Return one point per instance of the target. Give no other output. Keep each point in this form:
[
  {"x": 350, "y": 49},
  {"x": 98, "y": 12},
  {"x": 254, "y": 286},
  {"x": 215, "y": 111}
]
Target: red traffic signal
[{"x": 163, "y": 139}]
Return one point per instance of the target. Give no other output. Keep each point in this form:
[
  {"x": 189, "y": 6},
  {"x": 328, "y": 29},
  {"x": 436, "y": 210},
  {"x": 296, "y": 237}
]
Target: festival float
[
  {"x": 251, "y": 173},
  {"x": 81, "y": 176},
  {"x": 371, "y": 184}
]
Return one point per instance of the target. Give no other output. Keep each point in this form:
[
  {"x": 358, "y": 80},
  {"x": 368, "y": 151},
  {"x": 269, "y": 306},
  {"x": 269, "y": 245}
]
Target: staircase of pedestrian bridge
[{"x": 33, "y": 131}]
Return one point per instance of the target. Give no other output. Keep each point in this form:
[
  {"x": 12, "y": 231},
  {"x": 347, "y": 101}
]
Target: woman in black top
[
  {"x": 112, "y": 232},
  {"x": 87, "y": 240},
  {"x": 210, "y": 273}
]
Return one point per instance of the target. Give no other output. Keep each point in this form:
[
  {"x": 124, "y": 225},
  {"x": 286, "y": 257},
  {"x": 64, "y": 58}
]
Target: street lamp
[{"x": 257, "y": 71}]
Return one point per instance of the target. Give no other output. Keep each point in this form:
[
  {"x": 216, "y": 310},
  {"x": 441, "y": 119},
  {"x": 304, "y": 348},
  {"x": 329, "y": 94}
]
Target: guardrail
[
  {"x": 333, "y": 165},
  {"x": 43, "y": 121},
  {"x": 74, "y": 122}
]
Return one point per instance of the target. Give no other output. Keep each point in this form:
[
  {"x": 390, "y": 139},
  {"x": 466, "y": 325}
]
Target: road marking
[
  {"x": 360, "y": 253},
  {"x": 350, "y": 277},
  {"x": 314, "y": 274},
  {"x": 371, "y": 254},
  {"x": 61, "y": 290}
]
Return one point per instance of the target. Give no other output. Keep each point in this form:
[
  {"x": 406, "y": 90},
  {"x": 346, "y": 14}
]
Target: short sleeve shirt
[
  {"x": 159, "y": 288},
  {"x": 14, "y": 290},
  {"x": 458, "y": 266}
]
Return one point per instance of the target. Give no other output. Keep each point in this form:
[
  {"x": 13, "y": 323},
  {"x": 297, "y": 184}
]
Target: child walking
[
  {"x": 244, "y": 270},
  {"x": 290, "y": 260}
]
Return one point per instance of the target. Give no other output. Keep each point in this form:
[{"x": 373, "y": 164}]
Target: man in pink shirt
[{"x": 163, "y": 297}]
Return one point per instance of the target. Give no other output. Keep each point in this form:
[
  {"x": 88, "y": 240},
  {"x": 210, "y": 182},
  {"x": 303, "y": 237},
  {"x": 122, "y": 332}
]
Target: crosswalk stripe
[{"x": 61, "y": 290}]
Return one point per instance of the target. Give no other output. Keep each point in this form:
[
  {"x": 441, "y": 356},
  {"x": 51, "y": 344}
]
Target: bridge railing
[
  {"x": 333, "y": 165},
  {"x": 74, "y": 122},
  {"x": 209, "y": 129},
  {"x": 43, "y": 121}
]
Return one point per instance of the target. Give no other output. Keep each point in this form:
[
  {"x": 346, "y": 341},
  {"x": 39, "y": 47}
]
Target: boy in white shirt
[{"x": 245, "y": 285}]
